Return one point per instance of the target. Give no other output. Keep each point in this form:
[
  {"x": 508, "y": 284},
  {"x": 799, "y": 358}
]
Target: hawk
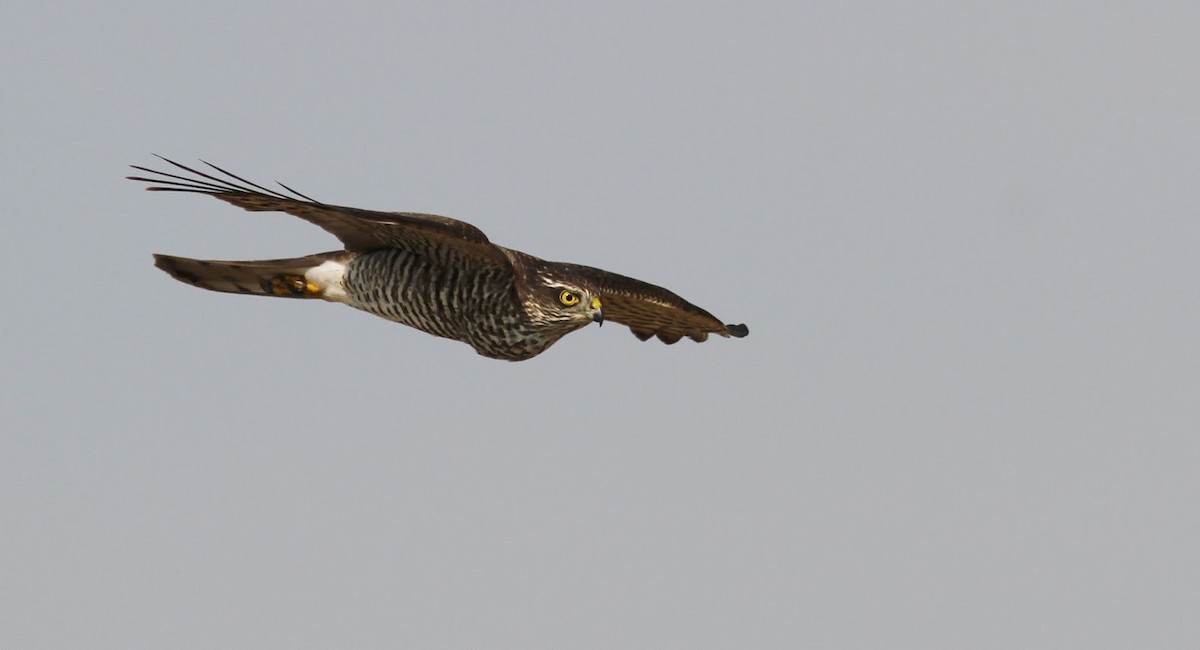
[{"x": 440, "y": 275}]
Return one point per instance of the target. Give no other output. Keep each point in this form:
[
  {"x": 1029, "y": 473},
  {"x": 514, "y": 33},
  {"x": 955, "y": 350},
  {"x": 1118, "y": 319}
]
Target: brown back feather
[{"x": 360, "y": 230}]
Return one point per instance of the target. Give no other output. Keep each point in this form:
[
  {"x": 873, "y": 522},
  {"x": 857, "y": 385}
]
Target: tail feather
[{"x": 283, "y": 278}]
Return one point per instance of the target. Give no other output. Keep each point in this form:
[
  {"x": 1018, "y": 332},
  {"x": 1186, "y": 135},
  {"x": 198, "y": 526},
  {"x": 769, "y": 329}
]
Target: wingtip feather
[
  {"x": 642, "y": 335},
  {"x": 738, "y": 331}
]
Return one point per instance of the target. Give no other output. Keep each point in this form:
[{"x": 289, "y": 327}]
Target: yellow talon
[{"x": 293, "y": 285}]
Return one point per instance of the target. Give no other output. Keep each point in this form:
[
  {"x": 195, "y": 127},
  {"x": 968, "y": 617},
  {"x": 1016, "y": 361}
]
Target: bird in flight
[{"x": 440, "y": 275}]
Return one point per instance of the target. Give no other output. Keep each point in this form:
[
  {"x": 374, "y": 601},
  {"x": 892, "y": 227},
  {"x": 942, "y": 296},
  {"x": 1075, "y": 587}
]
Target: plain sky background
[{"x": 964, "y": 237}]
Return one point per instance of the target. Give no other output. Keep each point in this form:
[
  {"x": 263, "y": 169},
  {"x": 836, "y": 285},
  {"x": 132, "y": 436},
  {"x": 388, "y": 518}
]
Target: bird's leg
[{"x": 289, "y": 284}]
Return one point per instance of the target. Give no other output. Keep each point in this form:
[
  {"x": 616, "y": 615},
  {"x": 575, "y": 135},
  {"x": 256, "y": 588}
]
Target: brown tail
[{"x": 283, "y": 278}]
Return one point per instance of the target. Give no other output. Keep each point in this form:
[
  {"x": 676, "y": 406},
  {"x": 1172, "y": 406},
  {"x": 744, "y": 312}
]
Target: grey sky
[{"x": 963, "y": 235}]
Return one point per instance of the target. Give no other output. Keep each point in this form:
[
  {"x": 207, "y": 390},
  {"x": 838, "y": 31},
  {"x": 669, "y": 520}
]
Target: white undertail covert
[{"x": 328, "y": 278}]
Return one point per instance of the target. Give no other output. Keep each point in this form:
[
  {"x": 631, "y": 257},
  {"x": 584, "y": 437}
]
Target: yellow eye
[{"x": 568, "y": 298}]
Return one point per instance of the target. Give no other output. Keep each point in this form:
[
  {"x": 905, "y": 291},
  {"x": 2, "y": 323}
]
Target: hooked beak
[{"x": 597, "y": 311}]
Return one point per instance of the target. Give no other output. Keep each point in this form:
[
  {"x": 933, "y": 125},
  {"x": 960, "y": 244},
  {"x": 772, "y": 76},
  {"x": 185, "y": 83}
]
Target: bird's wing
[
  {"x": 651, "y": 310},
  {"x": 359, "y": 230}
]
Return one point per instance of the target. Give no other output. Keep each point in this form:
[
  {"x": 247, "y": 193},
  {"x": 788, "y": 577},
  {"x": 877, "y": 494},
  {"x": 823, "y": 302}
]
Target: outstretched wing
[
  {"x": 651, "y": 310},
  {"x": 359, "y": 230}
]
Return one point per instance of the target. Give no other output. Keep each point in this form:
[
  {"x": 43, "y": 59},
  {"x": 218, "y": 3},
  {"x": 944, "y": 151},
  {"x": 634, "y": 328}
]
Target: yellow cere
[{"x": 596, "y": 302}]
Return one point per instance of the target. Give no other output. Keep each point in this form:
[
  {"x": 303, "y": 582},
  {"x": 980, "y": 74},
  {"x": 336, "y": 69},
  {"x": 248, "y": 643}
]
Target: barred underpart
[{"x": 472, "y": 303}]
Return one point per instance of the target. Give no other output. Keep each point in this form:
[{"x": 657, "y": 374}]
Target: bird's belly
[{"x": 478, "y": 307}]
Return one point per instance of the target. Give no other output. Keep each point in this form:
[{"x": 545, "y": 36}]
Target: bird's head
[
  {"x": 563, "y": 302},
  {"x": 555, "y": 296}
]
